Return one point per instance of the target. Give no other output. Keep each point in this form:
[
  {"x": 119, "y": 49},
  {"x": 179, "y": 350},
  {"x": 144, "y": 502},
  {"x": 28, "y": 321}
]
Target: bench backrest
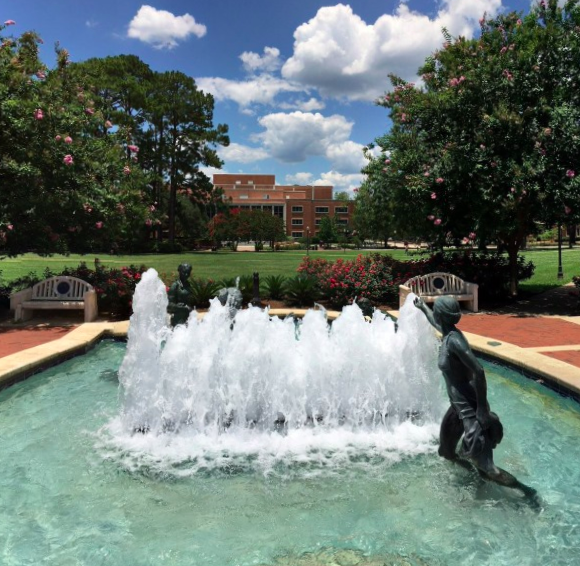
[
  {"x": 61, "y": 288},
  {"x": 436, "y": 284}
]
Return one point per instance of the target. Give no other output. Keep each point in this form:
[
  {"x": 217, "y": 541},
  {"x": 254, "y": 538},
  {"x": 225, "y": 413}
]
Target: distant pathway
[{"x": 13, "y": 340}]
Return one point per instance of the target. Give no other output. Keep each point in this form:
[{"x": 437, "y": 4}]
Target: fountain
[
  {"x": 210, "y": 381},
  {"x": 268, "y": 442}
]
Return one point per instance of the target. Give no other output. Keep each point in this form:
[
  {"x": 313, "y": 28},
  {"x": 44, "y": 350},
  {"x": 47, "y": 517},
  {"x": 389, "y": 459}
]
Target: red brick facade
[{"x": 301, "y": 207}]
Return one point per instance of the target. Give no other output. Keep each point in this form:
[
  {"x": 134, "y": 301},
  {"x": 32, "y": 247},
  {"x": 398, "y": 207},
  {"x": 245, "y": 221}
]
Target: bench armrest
[
  {"x": 403, "y": 293},
  {"x": 19, "y": 297}
]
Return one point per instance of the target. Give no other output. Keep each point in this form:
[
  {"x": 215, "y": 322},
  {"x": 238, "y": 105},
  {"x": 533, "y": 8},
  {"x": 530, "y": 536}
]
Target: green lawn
[{"x": 226, "y": 264}]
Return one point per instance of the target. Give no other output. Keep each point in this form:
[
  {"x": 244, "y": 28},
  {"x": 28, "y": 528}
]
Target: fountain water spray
[{"x": 262, "y": 375}]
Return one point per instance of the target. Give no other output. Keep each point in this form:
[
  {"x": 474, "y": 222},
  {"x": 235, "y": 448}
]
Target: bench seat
[{"x": 56, "y": 293}]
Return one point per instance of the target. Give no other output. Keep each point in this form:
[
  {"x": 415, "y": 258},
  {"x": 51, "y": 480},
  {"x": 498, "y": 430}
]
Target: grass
[
  {"x": 226, "y": 264},
  {"x": 221, "y": 265}
]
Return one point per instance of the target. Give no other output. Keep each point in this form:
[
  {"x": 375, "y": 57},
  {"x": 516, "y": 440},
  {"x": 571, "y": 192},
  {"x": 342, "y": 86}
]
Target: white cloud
[
  {"x": 340, "y": 181},
  {"x": 346, "y": 157},
  {"x": 294, "y": 137},
  {"x": 305, "y": 105},
  {"x": 342, "y": 56},
  {"x": 161, "y": 28},
  {"x": 242, "y": 153},
  {"x": 301, "y": 178},
  {"x": 270, "y": 61},
  {"x": 91, "y": 23},
  {"x": 258, "y": 90}
]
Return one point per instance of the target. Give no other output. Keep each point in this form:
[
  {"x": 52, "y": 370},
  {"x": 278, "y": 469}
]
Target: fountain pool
[{"x": 78, "y": 486}]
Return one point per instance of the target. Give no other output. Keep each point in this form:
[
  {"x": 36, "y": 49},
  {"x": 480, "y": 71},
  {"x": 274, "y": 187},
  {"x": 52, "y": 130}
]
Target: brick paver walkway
[
  {"x": 526, "y": 332},
  {"x": 13, "y": 340}
]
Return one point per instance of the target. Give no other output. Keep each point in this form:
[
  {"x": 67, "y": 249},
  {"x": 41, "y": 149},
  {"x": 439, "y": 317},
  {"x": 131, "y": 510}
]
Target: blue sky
[{"x": 295, "y": 80}]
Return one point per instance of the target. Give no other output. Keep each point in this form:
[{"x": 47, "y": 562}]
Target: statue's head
[
  {"x": 446, "y": 310},
  {"x": 184, "y": 270}
]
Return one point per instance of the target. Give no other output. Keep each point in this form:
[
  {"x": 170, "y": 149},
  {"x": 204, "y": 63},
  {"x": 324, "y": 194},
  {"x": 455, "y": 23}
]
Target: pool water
[{"x": 70, "y": 494}]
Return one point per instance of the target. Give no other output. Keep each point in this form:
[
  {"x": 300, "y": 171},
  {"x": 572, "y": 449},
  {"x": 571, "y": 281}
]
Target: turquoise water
[{"x": 70, "y": 494}]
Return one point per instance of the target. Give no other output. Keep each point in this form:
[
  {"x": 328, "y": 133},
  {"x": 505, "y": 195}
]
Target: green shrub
[
  {"x": 274, "y": 286},
  {"x": 203, "y": 291},
  {"x": 301, "y": 291}
]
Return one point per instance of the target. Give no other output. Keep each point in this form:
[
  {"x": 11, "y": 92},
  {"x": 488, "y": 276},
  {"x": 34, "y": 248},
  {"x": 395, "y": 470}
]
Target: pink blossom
[
  {"x": 388, "y": 161},
  {"x": 38, "y": 114},
  {"x": 403, "y": 117},
  {"x": 519, "y": 23},
  {"x": 513, "y": 190},
  {"x": 426, "y": 174},
  {"x": 570, "y": 173},
  {"x": 433, "y": 196},
  {"x": 355, "y": 190},
  {"x": 503, "y": 50},
  {"x": 108, "y": 124},
  {"x": 437, "y": 221},
  {"x": 127, "y": 170},
  {"x": 472, "y": 235},
  {"x": 99, "y": 224},
  {"x": 152, "y": 208},
  {"x": 430, "y": 217},
  {"x": 87, "y": 208},
  {"x": 89, "y": 111},
  {"x": 10, "y": 227},
  {"x": 133, "y": 148},
  {"x": 465, "y": 241},
  {"x": 68, "y": 139},
  {"x": 148, "y": 222},
  {"x": 40, "y": 75},
  {"x": 439, "y": 180},
  {"x": 482, "y": 146},
  {"x": 493, "y": 164},
  {"x": 481, "y": 21},
  {"x": 9, "y": 23},
  {"x": 68, "y": 159},
  {"x": 57, "y": 138},
  {"x": 567, "y": 210}
]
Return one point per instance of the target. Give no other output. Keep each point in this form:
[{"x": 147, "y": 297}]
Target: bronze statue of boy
[
  {"x": 179, "y": 296},
  {"x": 469, "y": 414}
]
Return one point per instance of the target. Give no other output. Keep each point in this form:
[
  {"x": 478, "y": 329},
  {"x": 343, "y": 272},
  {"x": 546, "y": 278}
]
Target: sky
[{"x": 295, "y": 80}]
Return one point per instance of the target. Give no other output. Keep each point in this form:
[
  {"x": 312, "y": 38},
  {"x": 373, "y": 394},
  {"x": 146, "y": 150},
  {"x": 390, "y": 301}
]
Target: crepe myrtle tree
[
  {"x": 489, "y": 145},
  {"x": 64, "y": 184}
]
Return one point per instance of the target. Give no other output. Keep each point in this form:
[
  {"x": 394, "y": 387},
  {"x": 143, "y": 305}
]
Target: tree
[
  {"x": 65, "y": 184},
  {"x": 489, "y": 145},
  {"x": 327, "y": 231}
]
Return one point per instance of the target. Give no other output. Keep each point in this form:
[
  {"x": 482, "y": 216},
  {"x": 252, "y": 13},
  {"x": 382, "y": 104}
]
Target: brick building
[{"x": 301, "y": 207}]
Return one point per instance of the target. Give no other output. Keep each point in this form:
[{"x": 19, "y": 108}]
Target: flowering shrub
[
  {"x": 114, "y": 286},
  {"x": 343, "y": 280},
  {"x": 377, "y": 277}
]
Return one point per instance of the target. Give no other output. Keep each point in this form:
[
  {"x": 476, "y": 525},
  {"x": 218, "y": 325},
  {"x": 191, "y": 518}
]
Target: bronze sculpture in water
[
  {"x": 469, "y": 415},
  {"x": 180, "y": 295}
]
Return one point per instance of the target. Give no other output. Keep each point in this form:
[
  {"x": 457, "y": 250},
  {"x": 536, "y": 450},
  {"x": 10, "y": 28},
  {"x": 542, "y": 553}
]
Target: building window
[
  {"x": 238, "y": 182},
  {"x": 342, "y": 221},
  {"x": 278, "y": 211},
  {"x": 341, "y": 209},
  {"x": 318, "y": 221},
  {"x": 321, "y": 210},
  {"x": 297, "y": 234},
  {"x": 250, "y": 182},
  {"x": 243, "y": 207},
  {"x": 297, "y": 209},
  {"x": 266, "y": 197},
  {"x": 297, "y": 222},
  {"x": 243, "y": 196}
]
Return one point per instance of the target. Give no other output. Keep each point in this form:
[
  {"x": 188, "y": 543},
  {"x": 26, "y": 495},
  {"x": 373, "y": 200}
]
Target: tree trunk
[{"x": 513, "y": 249}]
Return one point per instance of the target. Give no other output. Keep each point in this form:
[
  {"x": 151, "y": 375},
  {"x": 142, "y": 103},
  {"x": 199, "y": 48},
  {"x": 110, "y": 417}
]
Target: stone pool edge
[
  {"x": 559, "y": 375},
  {"x": 21, "y": 365}
]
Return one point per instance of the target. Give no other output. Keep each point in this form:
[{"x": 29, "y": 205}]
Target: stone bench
[
  {"x": 434, "y": 285},
  {"x": 56, "y": 293}
]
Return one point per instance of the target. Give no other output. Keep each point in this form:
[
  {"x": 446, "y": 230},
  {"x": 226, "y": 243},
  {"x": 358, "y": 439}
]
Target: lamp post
[
  {"x": 307, "y": 240},
  {"x": 560, "y": 270}
]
